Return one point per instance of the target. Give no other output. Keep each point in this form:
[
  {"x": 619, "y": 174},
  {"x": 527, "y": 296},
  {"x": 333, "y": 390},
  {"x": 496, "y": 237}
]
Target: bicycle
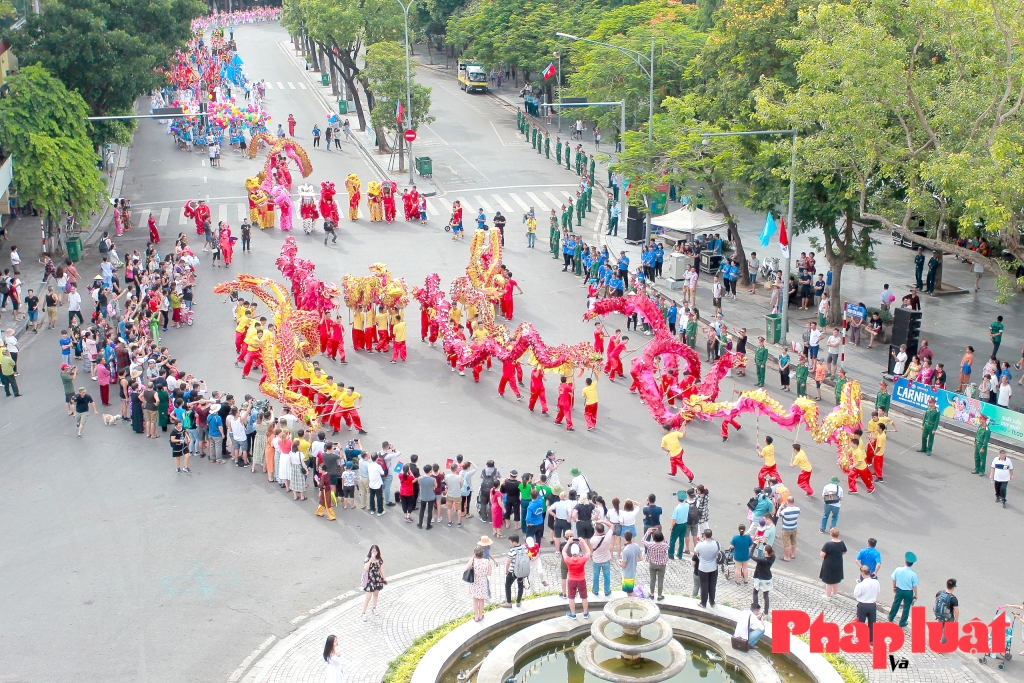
[{"x": 769, "y": 269}]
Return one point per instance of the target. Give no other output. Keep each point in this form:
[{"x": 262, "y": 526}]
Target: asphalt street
[{"x": 117, "y": 569}]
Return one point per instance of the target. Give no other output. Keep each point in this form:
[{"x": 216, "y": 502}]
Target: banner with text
[{"x": 959, "y": 408}]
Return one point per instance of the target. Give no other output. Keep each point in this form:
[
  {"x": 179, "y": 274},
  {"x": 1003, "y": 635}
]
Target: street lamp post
[
  {"x": 408, "y": 81},
  {"x": 784, "y": 285},
  {"x": 558, "y": 82}
]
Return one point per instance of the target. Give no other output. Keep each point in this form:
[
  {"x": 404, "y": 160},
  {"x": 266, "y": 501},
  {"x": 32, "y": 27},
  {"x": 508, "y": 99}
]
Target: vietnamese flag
[
  {"x": 399, "y": 110},
  {"x": 549, "y": 72},
  {"x": 783, "y": 238}
]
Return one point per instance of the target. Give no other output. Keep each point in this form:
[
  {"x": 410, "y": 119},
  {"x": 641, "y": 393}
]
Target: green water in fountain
[
  {"x": 557, "y": 664},
  {"x": 647, "y": 634}
]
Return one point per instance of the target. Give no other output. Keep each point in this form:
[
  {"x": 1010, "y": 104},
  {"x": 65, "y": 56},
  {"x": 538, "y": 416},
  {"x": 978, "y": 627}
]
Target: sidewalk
[{"x": 423, "y": 599}]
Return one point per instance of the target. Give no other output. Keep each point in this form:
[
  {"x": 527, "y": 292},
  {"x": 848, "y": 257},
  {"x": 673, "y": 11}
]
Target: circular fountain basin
[
  {"x": 631, "y": 669},
  {"x": 632, "y": 614}
]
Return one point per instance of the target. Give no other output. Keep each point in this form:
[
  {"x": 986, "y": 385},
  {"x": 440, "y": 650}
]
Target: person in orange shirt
[
  {"x": 398, "y": 332},
  {"x": 358, "y": 331},
  {"x": 336, "y": 344},
  {"x": 565, "y": 401},
  {"x": 537, "y": 390},
  {"x": 590, "y": 403}
]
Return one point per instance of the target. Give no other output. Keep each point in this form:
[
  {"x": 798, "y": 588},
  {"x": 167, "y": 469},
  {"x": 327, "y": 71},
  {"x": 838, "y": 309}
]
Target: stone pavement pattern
[{"x": 421, "y": 601}]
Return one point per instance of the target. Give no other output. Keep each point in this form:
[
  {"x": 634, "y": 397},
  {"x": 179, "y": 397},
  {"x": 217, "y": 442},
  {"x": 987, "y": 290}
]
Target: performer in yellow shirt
[
  {"x": 769, "y": 467},
  {"x": 383, "y": 321},
  {"x": 398, "y": 331},
  {"x": 350, "y": 403},
  {"x": 590, "y": 402},
  {"x": 859, "y": 466},
  {"x": 881, "y": 435},
  {"x": 251, "y": 349},
  {"x": 358, "y": 333},
  {"x": 370, "y": 333},
  {"x": 800, "y": 460},
  {"x": 242, "y": 321},
  {"x": 670, "y": 444}
]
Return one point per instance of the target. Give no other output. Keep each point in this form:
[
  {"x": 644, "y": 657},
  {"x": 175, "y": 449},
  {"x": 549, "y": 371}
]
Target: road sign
[
  {"x": 855, "y": 311},
  {"x": 168, "y": 111},
  {"x": 410, "y": 135}
]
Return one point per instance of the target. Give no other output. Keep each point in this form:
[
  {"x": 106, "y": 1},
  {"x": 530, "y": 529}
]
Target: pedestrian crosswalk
[
  {"x": 281, "y": 86},
  {"x": 511, "y": 203}
]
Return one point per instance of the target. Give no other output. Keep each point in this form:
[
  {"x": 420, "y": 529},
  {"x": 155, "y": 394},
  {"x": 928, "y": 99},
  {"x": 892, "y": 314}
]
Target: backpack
[
  {"x": 943, "y": 610},
  {"x": 752, "y": 503},
  {"x": 693, "y": 515},
  {"x": 5, "y": 285},
  {"x": 521, "y": 565}
]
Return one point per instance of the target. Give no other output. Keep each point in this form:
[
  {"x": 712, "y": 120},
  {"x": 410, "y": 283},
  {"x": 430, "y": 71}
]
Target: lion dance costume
[
  {"x": 328, "y": 207},
  {"x": 307, "y": 208},
  {"x": 283, "y": 200},
  {"x": 199, "y": 212},
  {"x": 373, "y": 201},
  {"x": 388, "y": 190},
  {"x": 353, "y": 186}
]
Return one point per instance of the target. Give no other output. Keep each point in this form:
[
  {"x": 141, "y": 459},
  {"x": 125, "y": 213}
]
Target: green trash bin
[
  {"x": 773, "y": 328},
  {"x": 325, "y": 79},
  {"x": 342, "y": 106},
  {"x": 424, "y": 166},
  {"x": 74, "y": 245}
]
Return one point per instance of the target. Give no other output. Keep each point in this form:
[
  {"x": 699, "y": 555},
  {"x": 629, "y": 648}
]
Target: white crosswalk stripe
[
  {"x": 302, "y": 85},
  {"x": 144, "y": 216},
  {"x": 222, "y": 212},
  {"x": 269, "y": 86},
  {"x": 556, "y": 202},
  {"x": 501, "y": 202},
  {"x": 482, "y": 203},
  {"x": 280, "y": 85},
  {"x": 520, "y": 202},
  {"x": 165, "y": 213},
  {"x": 181, "y": 218},
  {"x": 537, "y": 203},
  {"x": 243, "y": 212},
  {"x": 432, "y": 209},
  {"x": 291, "y": 85}
]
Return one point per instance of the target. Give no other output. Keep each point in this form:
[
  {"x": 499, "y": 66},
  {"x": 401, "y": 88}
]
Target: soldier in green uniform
[
  {"x": 590, "y": 197},
  {"x": 981, "y": 445},
  {"x": 882, "y": 398},
  {"x": 592, "y": 165},
  {"x": 577, "y": 257},
  {"x": 581, "y": 159},
  {"x": 567, "y": 159},
  {"x": 519, "y": 120},
  {"x": 567, "y": 216},
  {"x": 691, "y": 338},
  {"x": 547, "y": 145},
  {"x": 553, "y": 237},
  {"x": 840, "y": 383},
  {"x": 929, "y": 424},
  {"x": 801, "y": 377},
  {"x": 558, "y": 151},
  {"x": 540, "y": 142},
  {"x": 760, "y": 358},
  {"x": 580, "y": 208},
  {"x": 533, "y": 137},
  {"x": 919, "y": 268}
]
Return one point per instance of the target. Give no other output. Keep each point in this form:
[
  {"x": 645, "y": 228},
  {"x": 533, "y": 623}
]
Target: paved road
[{"x": 145, "y": 575}]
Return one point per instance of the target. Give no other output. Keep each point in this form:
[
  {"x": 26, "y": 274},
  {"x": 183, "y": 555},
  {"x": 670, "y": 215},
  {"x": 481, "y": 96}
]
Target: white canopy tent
[{"x": 692, "y": 221}]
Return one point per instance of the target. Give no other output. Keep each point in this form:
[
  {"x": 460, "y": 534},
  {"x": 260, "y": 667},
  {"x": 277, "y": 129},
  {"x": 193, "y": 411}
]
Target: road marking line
[
  {"x": 553, "y": 198},
  {"x": 502, "y": 202},
  {"x": 481, "y": 203},
  {"x": 432, "y": 208},
  {"x": 181, "y": 218},
  {"x": 243, "y": 212},
  {"x": 291, "y": 85},
  {"x": 269, "y": 86},
  {"x": 222, "y": 212},
  {"x": 498, "y": 134},
  {"x": 164, "y": 215},
  {"x": 202, "y": 162},
  {"x": 144, "y": 216},
  {"x": 537, "y": 201},
  {"x": 302, "y": 85},
  {"x": 520, "y": 202},
  {"x": 280, "y": 85},
  {"x": 249, "y": 660}
]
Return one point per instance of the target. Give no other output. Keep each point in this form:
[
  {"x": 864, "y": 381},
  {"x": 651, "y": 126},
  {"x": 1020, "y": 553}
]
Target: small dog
[{"x": 110, "y": 420}]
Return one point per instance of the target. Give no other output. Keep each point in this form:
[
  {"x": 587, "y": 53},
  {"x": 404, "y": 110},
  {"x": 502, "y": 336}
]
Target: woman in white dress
[{"x": 335, "y": 672}]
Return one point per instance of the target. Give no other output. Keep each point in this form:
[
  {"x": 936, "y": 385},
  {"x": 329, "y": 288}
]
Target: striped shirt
[{"x": 788, "y": 516}]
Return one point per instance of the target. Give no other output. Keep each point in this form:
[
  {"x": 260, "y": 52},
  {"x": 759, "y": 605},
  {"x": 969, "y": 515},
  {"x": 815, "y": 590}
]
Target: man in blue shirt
[
  {"x": 623, "y": 265},
  {"x": 535, "y": 516},
  {"x": 613, "y": 221},
  {"x": 904, "y": 585},
  {"x": 216, "y": 431},
  {"x": 481, "y": 219},
  {"x": 673, "y": 315},
  {"x": 870, "y": 558},
  {"x": 678, "y": 528},
  {"x": 659, "y": 258}
]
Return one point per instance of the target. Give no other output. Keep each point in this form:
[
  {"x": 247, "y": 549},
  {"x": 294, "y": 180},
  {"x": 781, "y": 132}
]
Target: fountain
[{"x": 631, "y": 628}]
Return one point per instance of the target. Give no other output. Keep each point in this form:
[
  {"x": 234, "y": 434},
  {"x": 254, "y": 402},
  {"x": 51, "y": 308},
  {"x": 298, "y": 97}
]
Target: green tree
[
  {"x": 108, "y": 51},
  {"x": 42, "y": 125},
  {"x": 385, "y": 75}
]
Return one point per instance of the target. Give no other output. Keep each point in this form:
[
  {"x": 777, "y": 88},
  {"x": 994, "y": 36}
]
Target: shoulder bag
[
  {"x": 469, "y": 575},
  {"x": 742, "y": 644}
]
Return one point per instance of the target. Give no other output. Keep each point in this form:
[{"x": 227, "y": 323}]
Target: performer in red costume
[
  {"x": 307, "y": 208},
  {"x": 154, "y": 234},
  {"x": 411, "y": 204},
  {"x": 227, "y": 243},
  {"x": 336, "y": 340},
  {"x": 599, "y": 333},
  {"x": 329, "y": 210},
  {"x": 537, "y": 390},
  {"x": 507, "y": 304},
  {"x": 508, "y": 377},
  {"x": 282, "y": 176},
  {"x": 565, "y": 400},
  {"x": 199, "y": 212},
  {"x": 614, "y": 365},
  {"x": 388, "y": 190}
]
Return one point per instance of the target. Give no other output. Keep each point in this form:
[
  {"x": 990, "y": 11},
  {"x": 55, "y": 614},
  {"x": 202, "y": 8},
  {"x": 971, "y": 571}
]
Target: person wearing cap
[
  {"x": 67, "y": 379},
  {"x": 832, "y": 496},
  {"x": 929, "y": 425},
  {"x": 677, "y": 533},
  {"x": 760, "y": 361},
  {"x": 904, "y": 588},
  {"x": 981, "y": 437},
  {"x": 579, "y": 483},
  {"x": 82, "y": 403}
]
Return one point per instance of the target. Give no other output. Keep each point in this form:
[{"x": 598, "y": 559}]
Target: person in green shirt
[
  {"x": 67, "y": 379},
  {"x": 547, "y": 145},
  {"x": 929, "y": 425},
  {"x": 580, "y": 209},
  {"x": 567, "y": 218},
  {"x": 840, "y": 383},
  {"x": 592, "y": 165},
  {"x": 526, "y": 487},
  {"x": 554, "y": 237},
  {"x": 801, "y": 376},
  {"x": 981, "y": 438},
  {"x": 691, "y": 339},
  {"x": 760, "y": 358},
  {"x": 590, "y": 200},
  {"x": 995, "y": 333},
  {"x": 533, "y": 137},
  {"x": 577, "y": 258},
  {"x": 7, "y": 376},
  {"x": 567, "y": 159},
  {"x": 882, "y": 398},
  {"x": 558, "y": 151}
]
